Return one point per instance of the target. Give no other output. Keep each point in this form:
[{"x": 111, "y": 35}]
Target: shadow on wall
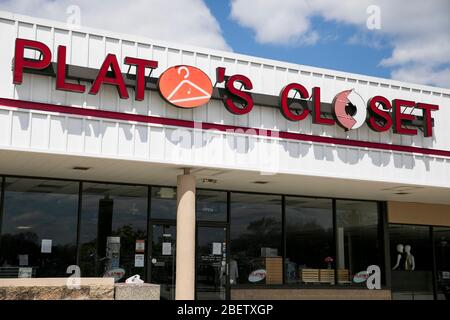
[
  {"x": 239, "y": 141},
  {"x": 244, "y": 144}
]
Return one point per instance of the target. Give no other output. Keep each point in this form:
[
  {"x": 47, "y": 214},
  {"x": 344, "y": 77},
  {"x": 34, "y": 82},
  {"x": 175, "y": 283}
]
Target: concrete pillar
[{"x": 185, "y": 249}]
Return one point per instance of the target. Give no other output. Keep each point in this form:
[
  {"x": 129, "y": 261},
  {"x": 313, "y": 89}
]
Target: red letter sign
[
  {"x": 316, "y": 109},
  {"x": 427, "y": 119},
  {"x": 287, "y": 113},
  {"x": 231, "y": 106},
  {"x": 116, "y": 80},
  {"x": 20, "y": 62},
  {"x": 141, "y": 65},
  {"x": 399, "y": 117},
  {"x": 61, "y": 83},
  {"x": 378, "y": 115}
]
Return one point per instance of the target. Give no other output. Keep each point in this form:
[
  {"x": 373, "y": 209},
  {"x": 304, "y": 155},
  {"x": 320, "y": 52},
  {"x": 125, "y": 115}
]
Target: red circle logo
[
  {"x": 185, "y": 86},
  {"x": 349, "y": 109}
]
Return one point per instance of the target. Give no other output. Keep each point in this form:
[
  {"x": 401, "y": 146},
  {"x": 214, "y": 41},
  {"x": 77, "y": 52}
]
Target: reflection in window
[
  {"x": 255, "y": 229},
  {"x": 164, "y": 203},
  {"x": 113, "y": 229},
  {"x": 357, "y": 240},
  {"x": 411, "y": 261},
  {"x": 309, "y": 240},
  {"x": 211, "y": 205},
  {"x": 39, "y": 227},
  {"x": 211, "y": 263},
  {"x": 442, "y": 249}
]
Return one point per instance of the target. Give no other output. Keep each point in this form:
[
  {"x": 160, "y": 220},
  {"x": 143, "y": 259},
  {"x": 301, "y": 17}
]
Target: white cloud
[
  {"x": 423, "y": 73},
  {"x": 185, "y": 21},
  {"x": 418, "y": 31},
  {"x": 274, "y": 22},
  {"x": 429, "y": 50}
]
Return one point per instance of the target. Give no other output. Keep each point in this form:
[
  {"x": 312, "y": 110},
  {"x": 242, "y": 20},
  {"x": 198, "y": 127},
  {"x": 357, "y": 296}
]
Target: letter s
[{"x": 246, "y": 96}]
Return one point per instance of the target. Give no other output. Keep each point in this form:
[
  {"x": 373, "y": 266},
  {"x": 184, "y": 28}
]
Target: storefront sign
[
  {"x": 188, "y": 87},
  {"x": 185, "y": 86},
  {"x": 349, "y": 109}
]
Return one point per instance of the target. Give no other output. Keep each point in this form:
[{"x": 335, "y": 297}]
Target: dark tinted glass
[
  {"x": 411, "y": 261},
  {"x": 358, "y": 242},
  {"x": 39, "y": 228},
  {"x": 211, "y": 276},
  {"x": 113, "y": 229},
  {"x": 164, "y": 259},
  {"x": 309, "y": 239},
  {"x": 255, "y": 228},
  {"x": 211, "y": 205},
  {"x": 442, "y": 249},
  {"x": 164, "y": 203}
]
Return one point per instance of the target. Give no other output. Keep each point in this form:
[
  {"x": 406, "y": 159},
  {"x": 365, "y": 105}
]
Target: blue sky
[{"x": 333, "y": 51}]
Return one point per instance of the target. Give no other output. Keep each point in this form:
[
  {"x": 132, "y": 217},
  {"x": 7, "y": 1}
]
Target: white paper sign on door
[
  {"x": 46, "y": 246},
  {"x": 217, "y": 248},
  {"x": 166, "y": 249},
  {"x": 139, "y": 260}
]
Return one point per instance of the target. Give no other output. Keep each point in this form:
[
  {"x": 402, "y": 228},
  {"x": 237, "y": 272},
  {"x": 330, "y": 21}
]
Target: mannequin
[
  {"x": 400, "y": 258},
  {"x": 410, "y": 263}
]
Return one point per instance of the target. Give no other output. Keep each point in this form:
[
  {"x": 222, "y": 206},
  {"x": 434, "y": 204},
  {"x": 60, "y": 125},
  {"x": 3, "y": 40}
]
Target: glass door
[
  {"x": 162, "y": 259},
  {"x": 212, "y": 268}
]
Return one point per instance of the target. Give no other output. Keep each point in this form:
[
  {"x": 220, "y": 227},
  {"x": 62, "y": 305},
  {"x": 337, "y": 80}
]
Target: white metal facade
[{"x": 28, "y": 130}]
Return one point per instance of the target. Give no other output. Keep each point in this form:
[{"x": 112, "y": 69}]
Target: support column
[{"x": 185, "y": 249}]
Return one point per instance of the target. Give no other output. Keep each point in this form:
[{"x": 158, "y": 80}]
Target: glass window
[
  {"x": 211, "y": 205},
  {"x": 211, "y": 263},
  {"x": 442, "y": 249},
  {"x": 39, "y": 228},
  {"x": 411, "y": 262},
  {"x": 358, "y": 242},
  {"x": 113, "y": 230},
  {"x": 164, "y": 203},
  {"x": 309, "y": 240},
  {"x": 255, "y": 229}
]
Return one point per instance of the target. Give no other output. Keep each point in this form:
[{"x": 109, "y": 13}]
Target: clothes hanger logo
[{"x": 185, "y": 86}]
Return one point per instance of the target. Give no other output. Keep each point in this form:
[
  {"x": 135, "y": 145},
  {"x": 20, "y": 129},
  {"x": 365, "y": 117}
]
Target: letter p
[{"x": 20, "y": 62}]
